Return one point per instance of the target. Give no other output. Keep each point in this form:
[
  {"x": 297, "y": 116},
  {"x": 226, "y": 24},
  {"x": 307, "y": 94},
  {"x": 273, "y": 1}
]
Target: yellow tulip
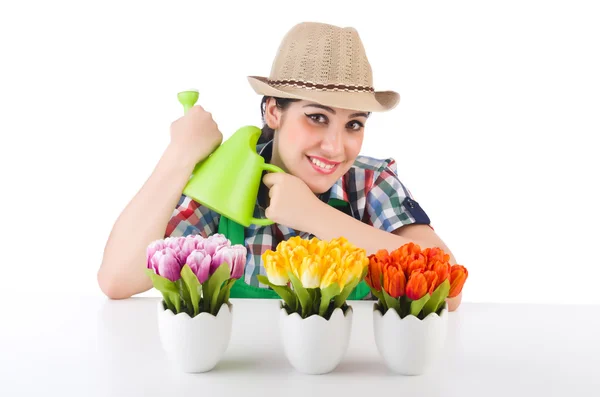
[
  {"x": 296, "y": 256},
  {"x": 354, "y": 264},
  {"x": 310, "y": 272},
  {"x": 317, "y": 247},
  {"x": 330, "y": 275},
  {"x": 276, "y": 268},
  {"x": 335, "y": 255}
]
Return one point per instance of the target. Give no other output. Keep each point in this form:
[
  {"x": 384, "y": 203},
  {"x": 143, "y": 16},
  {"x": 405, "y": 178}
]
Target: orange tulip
[
  {"x": 458, "y": 276},
  {"x": 431, "y": 278},
  {"x": 418, "y": 264},
  {"x": 394, "y": 281},
  {"x": 416, "y": 287},
  {"x": 434, "y": 255},
  {"x": 408, "y": 249},
  {"x": 405, "y": 255},
  {"x": 376, "y": 264},
  {"x": 442, "y": 269}
]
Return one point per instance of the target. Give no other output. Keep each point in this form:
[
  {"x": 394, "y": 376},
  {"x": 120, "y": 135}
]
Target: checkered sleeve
[
  {"x": 389, "y": 204},
  {"x": 189, "y": 217}
]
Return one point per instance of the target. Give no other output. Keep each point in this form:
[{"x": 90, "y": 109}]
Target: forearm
[
  {"x": 122, "y": 272},
  {"x": 328, "y": 223}
]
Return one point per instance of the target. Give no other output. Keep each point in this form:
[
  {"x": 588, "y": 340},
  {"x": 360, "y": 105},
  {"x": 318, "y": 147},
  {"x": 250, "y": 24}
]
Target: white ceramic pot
[
  {"x": 194, "y": 344},
  {"x": 409, "y": 345},
  {"x": 315, "y": 345}
]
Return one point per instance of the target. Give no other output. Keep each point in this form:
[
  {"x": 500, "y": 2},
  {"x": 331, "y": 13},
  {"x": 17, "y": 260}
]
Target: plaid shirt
[{"x": 371, "y": 188}]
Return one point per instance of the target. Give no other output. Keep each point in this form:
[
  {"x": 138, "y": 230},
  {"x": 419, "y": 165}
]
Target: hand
[
  {"x": 454, "y": 303},
  {"x": 195, "y": 135},
  {"x": 291, "y": 201}
]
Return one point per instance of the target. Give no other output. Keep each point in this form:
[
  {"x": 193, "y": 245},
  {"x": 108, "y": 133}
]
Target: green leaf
[
  {"x": 301, "y": 293},
  {"x": 284, "y": 292},
  {"x": 391, "y": 303},
  {"x": 343, "y": 295},
  {"x": 169, "y": 290},
  {"x": 437, "y": 298},
  {"x": 417, "y": 306},
  {"x": 185, "y": 297},
  {"x": 315, "y": 299},
  {"x": 404, "y": 306},
  {"x": 312, "y": 295},
  {"x": 215, "y": 283},
  {"x": 191, "y": 288},
  {"x": 378, "y": 295},
  {"x": 326, "y": 295},
  {"x": 224, "y": 293}
]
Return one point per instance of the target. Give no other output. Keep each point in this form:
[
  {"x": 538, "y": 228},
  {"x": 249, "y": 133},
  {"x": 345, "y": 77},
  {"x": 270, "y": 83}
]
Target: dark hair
[{"x": 282, "y": 104}]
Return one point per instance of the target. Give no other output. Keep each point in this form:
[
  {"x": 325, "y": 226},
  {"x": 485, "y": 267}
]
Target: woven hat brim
[{"x": 379, "y": 101}]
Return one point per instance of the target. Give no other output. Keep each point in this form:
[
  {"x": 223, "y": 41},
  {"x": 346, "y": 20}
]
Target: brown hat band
[{"x": 314, "y": 86}]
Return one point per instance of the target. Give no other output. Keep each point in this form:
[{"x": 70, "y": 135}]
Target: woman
[{"x": 315, "y": 106}]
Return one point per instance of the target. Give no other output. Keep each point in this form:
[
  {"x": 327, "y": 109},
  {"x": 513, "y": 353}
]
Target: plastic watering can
[{"x": 227, "y": 181}]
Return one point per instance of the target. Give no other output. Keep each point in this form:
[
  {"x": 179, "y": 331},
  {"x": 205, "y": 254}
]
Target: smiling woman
[{"x": 315, "y": 106}]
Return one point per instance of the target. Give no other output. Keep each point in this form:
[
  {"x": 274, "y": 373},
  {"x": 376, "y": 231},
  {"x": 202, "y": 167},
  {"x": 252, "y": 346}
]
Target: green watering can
[{"x": 228, "y": 180}]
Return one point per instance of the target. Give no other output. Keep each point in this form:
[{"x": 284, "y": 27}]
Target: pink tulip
[
  {"x": 212, "y": 243},
  {"x": 189, "y": 245},
  {"x": 154, "y": 246},
  {"x": 200, "y": 262},
  {"x": 239, "y": 261},
  {"x": 234, "y": 256},
  {"x": 174, "y": 243},
  {"x": 199, "y": 240},
  {"x": 165, "y": 264}
]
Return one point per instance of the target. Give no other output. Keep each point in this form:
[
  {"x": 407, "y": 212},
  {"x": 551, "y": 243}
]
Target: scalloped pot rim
[
  {"x": 226, "y": 307},
  {"x": 315, "y": 317},
  {"x": 396, "y": 316}
]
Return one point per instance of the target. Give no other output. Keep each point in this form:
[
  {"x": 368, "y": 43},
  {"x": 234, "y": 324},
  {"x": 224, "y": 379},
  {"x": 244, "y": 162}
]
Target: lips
[
  {"x": 322, "y": 160},
  {"x": 321, "y": 165}
]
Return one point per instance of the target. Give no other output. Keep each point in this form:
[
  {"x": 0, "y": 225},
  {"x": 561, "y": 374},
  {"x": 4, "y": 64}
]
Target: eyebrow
[{"x": 316, "y": 105}]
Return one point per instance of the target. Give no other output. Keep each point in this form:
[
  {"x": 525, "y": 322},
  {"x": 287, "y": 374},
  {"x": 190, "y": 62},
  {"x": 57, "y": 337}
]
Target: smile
[{"x": 322, "y": 166}]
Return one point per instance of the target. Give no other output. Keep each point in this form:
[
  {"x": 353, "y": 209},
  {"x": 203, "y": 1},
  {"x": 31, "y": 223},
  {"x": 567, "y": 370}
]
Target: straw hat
[{"x": 325, "y": 64}]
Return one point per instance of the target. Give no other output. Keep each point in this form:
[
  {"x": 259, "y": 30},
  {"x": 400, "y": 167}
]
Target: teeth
[{"x": 320, "y": 164}]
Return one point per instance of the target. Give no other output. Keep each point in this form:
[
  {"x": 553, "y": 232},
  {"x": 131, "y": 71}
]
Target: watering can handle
[{"x": 266, "y": 221}]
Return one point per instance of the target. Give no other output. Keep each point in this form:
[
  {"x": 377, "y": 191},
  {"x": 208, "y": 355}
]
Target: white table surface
[{"x": 97, "y": 347}]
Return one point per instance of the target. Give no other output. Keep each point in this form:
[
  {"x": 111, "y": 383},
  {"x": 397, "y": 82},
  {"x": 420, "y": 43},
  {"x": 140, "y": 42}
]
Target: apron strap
[{"x": 235, "y": 232}]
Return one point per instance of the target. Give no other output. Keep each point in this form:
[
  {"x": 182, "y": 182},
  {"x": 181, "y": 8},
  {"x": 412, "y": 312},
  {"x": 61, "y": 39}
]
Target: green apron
[{"x": 235, "y": 232}]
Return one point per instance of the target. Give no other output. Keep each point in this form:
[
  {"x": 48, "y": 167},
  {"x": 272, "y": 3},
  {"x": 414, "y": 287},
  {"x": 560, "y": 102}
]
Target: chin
[
  {"x": 319, "y": 189},
  {"x": 321, "y": 185},
  {"x": 318, "y": 184}
]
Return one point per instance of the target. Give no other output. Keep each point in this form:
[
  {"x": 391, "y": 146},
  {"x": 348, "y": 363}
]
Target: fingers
[
  {"x": 272, "y": 191},
  {"x": 268, "y": 213},
  {"x": 197, "y": 108},
  {"x": 271, "y": 179},
  {"x": 454, "y": 303}
]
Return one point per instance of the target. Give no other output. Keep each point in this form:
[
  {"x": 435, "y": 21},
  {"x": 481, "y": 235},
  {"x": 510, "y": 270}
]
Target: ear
[{"x": 272, "y": 114}]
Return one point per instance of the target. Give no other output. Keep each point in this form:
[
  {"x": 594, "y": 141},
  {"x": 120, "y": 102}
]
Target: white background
[{"x": 494, "y": 134}]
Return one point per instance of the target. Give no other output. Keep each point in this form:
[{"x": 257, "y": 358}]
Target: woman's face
[{"x": 316, "y": 143}]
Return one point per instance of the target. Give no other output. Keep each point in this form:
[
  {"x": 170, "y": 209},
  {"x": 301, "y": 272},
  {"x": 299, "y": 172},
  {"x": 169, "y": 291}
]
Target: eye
[
  {"x": 317, "y": 118},
  {"x": 355, "y": 125}
]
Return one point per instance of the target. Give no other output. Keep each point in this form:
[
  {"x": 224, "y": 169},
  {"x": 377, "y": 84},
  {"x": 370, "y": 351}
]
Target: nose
[{"x": 332, "y": 143}]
